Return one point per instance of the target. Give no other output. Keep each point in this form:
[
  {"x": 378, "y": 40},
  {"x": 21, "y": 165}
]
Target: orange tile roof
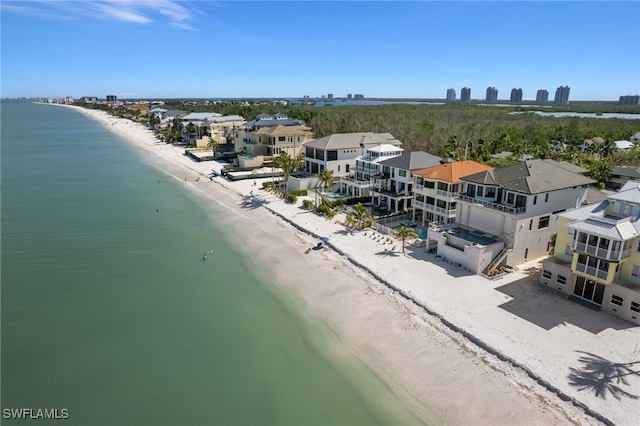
[{"x": 452, "y": 172}]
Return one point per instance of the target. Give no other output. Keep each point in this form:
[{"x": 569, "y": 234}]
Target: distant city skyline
[{"x": 382, "y": 49}]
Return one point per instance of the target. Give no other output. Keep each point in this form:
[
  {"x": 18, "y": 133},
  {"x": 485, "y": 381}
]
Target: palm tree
[
  {"x": 326, "y": 178},
  {"x": 360, "y": 218},
  {"x": 212, "y": 144},
  {"x": 405, "y": 232},
  {"x": 287, "y": 163}
]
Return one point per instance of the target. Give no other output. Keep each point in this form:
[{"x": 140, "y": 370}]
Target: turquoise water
[
  {"x": 422, "y": 233},
  {"x": 109, "y": 312}
]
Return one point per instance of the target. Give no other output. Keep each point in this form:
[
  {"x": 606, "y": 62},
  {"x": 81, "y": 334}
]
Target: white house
[
  {"x": 515, "y": 206},
  {"x": 338, "y": 152}
]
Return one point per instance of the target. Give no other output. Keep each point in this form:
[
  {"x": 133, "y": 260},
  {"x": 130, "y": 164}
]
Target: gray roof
[
  {"x": 533, "y": 176},
  {"x": 413, "y": 161},
  {"x": 629, "y": 193},
  {"x": 632, "y": 172},
  {"x": 267, "y": 120},
  {"x": 353, "y": 141},
  {"x": 618, "y": 229}
]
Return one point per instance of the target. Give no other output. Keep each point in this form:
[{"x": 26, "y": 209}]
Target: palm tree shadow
[
  {"x": 387, "y": 252},
  {"x": 602, "y": 376}
]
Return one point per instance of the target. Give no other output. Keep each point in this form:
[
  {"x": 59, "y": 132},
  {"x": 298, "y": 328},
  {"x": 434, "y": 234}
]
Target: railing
[
  {"x": 600, "y": 252},
  {"x": 590, "y": 270},
  {"x": 496, "y": 260},
  {"x": 428, "y": 207},
  {"x": 494, "y": 206},
  {"x": 447, "y": 194}
]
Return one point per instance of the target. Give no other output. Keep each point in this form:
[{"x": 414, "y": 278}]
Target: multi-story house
[
  {"x": 596, "y": 259},
  {"x": 338, "y": 152},
  {"x": 392, "y": 187},
  {"x": 271, "y": 141},
  {"x": 620, "y": 175},
  {"x": 436, "y": 190},
  {"x": 199, "y": 127},
  {"x": 368, "y": 165},
  {"x": 510, "y": 212}
]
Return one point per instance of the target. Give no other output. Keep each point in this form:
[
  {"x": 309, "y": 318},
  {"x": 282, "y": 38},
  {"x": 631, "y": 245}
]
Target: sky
[{"x": 288, "y": 49}]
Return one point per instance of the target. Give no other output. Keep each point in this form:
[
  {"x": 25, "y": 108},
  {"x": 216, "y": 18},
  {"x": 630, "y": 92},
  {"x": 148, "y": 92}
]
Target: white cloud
[{"x": 179, "y": 14}]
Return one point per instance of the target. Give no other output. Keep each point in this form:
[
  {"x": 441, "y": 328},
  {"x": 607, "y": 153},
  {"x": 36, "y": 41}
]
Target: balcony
[
  {"x": 493, "y": 206},
  {"x": 602, "y": 253},
  {"x": 438, "y": 210},
  {"x": 446, "y": 194},
  {"x": 590, "y": 270}
]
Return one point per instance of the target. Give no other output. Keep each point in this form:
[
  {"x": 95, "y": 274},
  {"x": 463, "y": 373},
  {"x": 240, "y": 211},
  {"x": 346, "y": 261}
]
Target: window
[
  {"x": 546, "y": 197},
  {"x": 568, "y": 250},
  {"x": 346, "y": 168},
  {"x": 402, "y": 173},
  {"x": 544, "y": 222},
  {"x": 510, "y": 197},
  {"x": 530, "y": 224},
  {"x": 332, "y": 155},
  {"x": 442, "y": 186},
  {"x": 635, "y": 306},
  {"x": 535, "y": 199},
  {"x": 616, "y": 300},
  {"x": 281, "y": 138},
  {"x": 490, "y": 193},
  {"x": 526, "y": 253},
  {"x": 429, "y": 184},
  {"x": 480, "y": 191},
  {"x": 561, "y": 279},
  {"x": 635, "y": 270},
  {"x": 546, "y": 274},
  {"x": 338, "y": 167},
  {"x": 471, "y": 190}
]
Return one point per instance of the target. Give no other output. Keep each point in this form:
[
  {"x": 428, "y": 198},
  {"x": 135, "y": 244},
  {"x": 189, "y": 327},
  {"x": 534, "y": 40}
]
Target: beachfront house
[
  {"x": 620, "y": 175},
  {"x": 596, "y": 259},
  {"x": 198, "y": 128},
  {"x": 357, "y": 184},
  {"x": 338, "y": 152},
  {"x": 436, "y": 190},
  {"x": 271, "y": 141},
  {"x": 510, "y": 214},
  {"x": 392, "y": 187}
]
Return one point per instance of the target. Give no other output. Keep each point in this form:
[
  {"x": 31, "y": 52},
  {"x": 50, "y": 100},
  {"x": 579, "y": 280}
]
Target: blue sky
[{"x": 233, "y": 49}]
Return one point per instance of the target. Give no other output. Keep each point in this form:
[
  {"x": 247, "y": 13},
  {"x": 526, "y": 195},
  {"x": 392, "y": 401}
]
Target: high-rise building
[
  {"x": 330, "y": 96},
  {"x": 542, "y": 96},
  {"x": 465, "y": 94},
  {"x": 112, "y": 98},
  {"x": 562, "y": 95},
  {"x": 349, "y": 96},
  {"x": 516, "y": 95},
  {"x": 451, "y": 95},
  {"x": 492, "y": 94},
  {"x": 629, "y": 100}
]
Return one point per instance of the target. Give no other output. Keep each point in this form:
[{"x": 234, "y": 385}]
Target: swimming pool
[
  {"x": 459, "y": 237},
  {"x": 422, "y": 233}
]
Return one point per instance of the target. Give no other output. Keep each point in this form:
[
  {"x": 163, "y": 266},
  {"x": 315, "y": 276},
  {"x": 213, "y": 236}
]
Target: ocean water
[{"x": 110, "y": 316}]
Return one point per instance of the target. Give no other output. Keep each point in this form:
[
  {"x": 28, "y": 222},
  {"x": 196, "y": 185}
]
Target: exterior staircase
[{"x": 496, "y": 260}]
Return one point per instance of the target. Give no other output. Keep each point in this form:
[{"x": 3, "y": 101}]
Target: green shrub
[
  {"x": 292, "y": 198},
  {"x": 307, "y": 204}
]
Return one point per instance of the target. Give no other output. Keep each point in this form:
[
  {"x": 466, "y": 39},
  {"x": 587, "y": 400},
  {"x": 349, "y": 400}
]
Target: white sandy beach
[{"x": 461, "y": 348}]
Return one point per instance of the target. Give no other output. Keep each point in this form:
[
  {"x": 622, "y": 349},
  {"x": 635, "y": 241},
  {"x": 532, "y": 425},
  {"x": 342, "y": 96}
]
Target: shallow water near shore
[{"x": 109, "y": 311}]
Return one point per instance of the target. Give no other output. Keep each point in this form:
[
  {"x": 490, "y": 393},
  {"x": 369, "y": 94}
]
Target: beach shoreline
[{"x": 446, "y": 345}]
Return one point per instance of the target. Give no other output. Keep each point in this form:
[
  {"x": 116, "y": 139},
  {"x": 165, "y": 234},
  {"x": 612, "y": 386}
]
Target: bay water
[{"x": 110, "y": 316}]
